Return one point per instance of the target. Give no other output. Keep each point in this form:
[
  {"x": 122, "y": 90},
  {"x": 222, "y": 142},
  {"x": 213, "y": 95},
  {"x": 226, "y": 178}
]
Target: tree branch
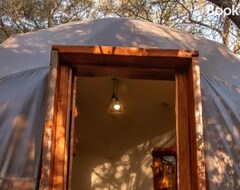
[{"x": 227, "y": 4}]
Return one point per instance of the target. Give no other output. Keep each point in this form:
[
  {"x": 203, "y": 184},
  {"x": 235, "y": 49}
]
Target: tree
[
  {"x": 17, "y": 16},
  {"x": 233, "y": 17},
  {"x": 189, "y": 15},
  {"x": 192, "y": 16},
  {"x": 228, "y": 4}
]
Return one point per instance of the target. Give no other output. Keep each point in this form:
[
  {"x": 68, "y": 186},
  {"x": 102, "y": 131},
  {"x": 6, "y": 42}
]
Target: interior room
[{"x": 113, "y": 150}]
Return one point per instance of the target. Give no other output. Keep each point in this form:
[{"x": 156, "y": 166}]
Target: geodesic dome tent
[{"x": 25, "y": 63}]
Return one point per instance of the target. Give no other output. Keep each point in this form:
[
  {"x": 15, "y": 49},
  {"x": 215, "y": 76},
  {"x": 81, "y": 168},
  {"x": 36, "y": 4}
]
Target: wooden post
[
  {"x": 56, "y": 131},
  {"x": 196, "y": 127},
  {"x": 50, "y": 118},
  {"x": 72, "y": 131},
  {"x": 182, "y": 128},
  {"x": 60, "y": 148}
]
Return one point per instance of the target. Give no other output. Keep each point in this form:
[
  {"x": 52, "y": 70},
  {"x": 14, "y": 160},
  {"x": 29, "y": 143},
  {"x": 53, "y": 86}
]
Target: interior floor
[{"x": 114, "y": 150}]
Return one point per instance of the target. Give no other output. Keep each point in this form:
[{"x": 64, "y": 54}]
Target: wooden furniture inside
[{"x": 164, "y": 168}]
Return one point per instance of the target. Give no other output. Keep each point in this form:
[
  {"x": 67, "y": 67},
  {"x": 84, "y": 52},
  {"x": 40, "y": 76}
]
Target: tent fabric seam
[
  {"x": 25, "y": 71},
  {"x": 219, "y": 80}
]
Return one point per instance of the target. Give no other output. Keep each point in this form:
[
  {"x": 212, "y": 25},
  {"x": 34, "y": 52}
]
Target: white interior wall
[{"x": 114, "y": 151}]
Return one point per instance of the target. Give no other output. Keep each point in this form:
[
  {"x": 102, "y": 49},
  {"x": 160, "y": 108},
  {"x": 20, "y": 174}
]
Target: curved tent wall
[{"x": 24, "y": 66}]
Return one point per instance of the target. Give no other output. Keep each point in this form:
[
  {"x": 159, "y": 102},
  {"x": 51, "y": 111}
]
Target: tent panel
[
  {"x": 21, "y": 127},
  {"x": 33, "y": 50},
  {"x": 221, "y": 115}
]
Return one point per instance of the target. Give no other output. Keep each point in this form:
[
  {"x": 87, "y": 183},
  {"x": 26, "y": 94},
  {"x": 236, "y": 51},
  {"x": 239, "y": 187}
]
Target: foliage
[
  {"x": 192, "y": 16},
  {"x": 18, "y": 16},
  {"x": 189, "y": 15}
]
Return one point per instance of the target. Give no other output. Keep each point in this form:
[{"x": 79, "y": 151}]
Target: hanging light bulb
[{"x": 115, "y": 105}]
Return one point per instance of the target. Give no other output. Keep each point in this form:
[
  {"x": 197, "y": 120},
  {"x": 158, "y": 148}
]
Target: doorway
[
  {"x": 114, "y": 149},
  {"x": 68, "y": 62}
]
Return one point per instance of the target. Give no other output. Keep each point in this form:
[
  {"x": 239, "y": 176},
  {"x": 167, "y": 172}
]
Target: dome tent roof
[
  {"x": 32, "y": 50},
  {"x": 23, "y": 95}
]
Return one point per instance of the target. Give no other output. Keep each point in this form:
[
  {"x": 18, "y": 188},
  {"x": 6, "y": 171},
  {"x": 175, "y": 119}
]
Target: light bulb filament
[{"x": 116, "y": 106}]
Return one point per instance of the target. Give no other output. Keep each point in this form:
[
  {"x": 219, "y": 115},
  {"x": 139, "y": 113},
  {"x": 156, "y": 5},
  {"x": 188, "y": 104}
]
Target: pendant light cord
[{"x": 115, "y": 88}]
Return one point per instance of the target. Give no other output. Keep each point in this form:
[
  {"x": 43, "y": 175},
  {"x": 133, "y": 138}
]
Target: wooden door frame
[{"x": 127, "y": 62}]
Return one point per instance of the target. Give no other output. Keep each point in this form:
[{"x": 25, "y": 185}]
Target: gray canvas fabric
[
  {"x": 32, "y": 50},
  {"x": 22, "y": 93},
  {"x": 22, "y": 100},
  {"x": 221, "y": 113}
]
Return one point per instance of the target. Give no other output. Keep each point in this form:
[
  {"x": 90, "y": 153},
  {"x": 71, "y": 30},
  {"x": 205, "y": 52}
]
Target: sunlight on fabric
[
  {"x": 236, "y": 132},
  {"x": 132, "y": 170},
  {"x": 219, "y": 165},
  {"x": 146, "y": 162}
]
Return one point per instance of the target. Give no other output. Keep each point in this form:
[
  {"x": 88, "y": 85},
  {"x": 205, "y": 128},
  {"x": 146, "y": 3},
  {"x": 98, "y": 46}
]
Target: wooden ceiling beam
[
  {"x": 125, "y": 72},
  {"x": 133, "y": 51},
  {"x": 132, "y": 61}
]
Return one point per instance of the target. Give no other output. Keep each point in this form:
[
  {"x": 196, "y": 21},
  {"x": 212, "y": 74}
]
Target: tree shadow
[{"x": 221, "y": 133}]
